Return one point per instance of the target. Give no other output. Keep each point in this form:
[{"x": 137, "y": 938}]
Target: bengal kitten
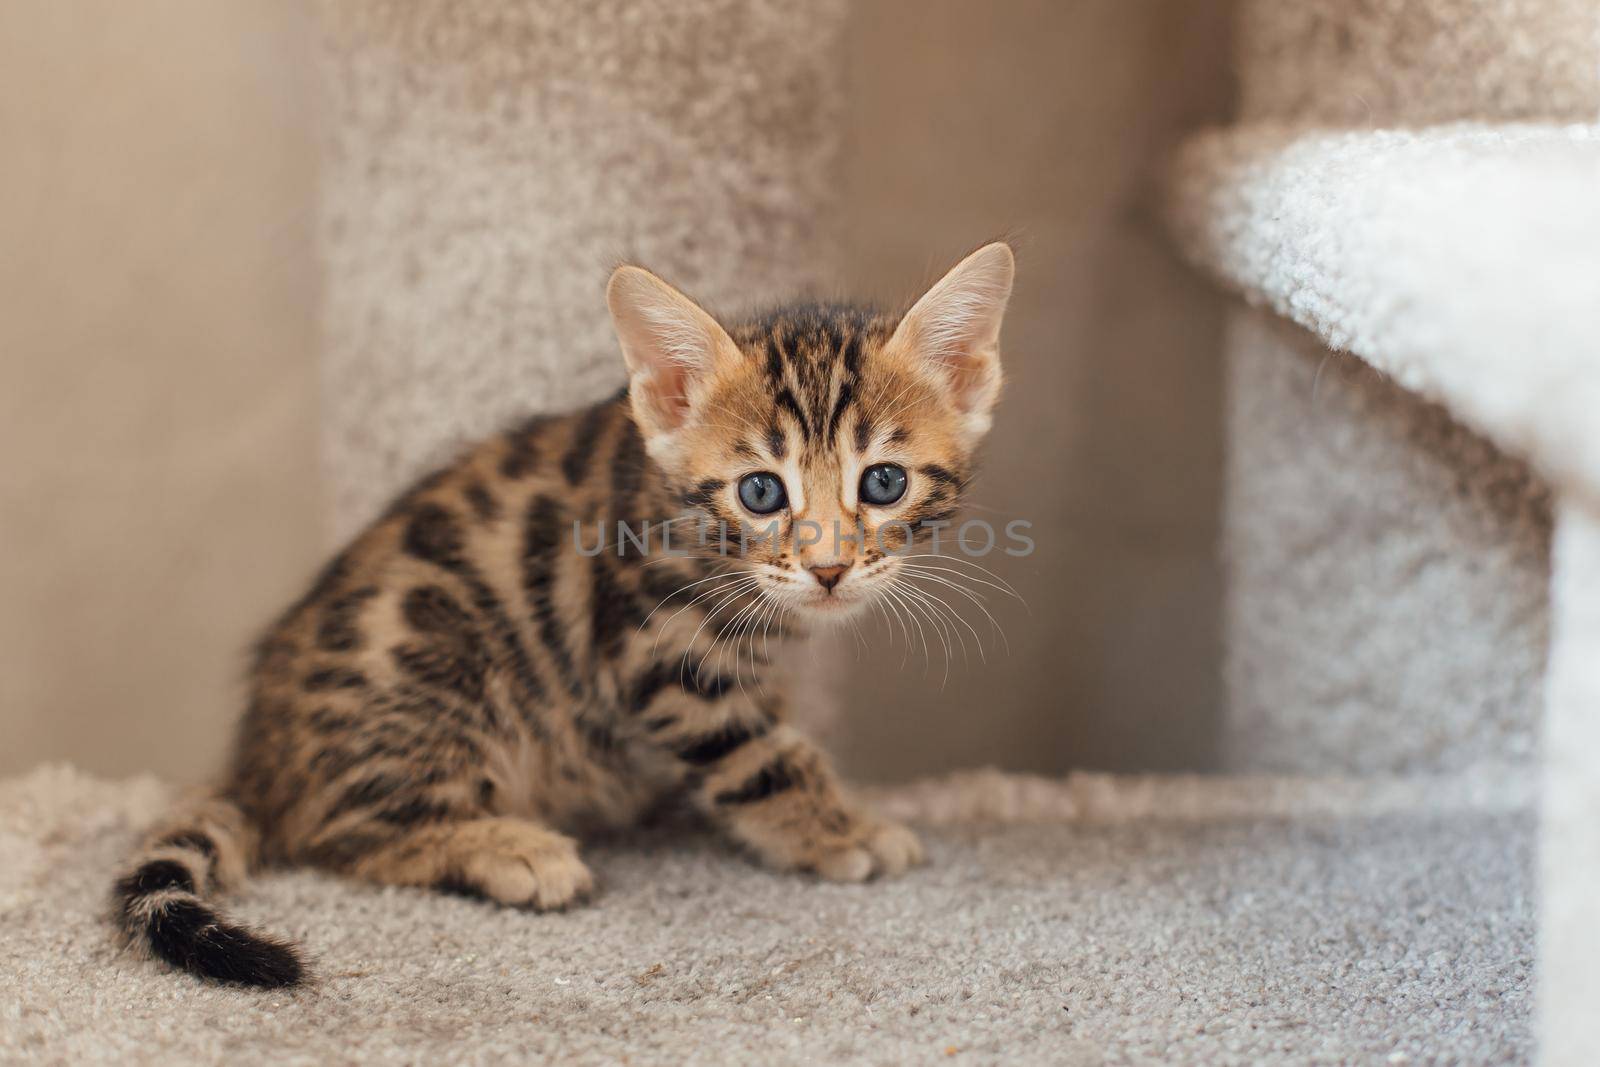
[{"x": 478, "y": 676}]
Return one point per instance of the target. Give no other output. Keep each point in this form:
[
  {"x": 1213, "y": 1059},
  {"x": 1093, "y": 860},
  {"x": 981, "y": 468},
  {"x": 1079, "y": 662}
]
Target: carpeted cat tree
[
  {"x": 1415, "y": 186},
  {"x": 1410, "y": 204},
  {"x": 488, "y": 164}
]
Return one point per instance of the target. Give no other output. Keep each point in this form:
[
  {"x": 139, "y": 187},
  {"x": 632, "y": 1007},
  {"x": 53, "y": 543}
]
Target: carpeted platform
[{"x": 1148, "y": 920}]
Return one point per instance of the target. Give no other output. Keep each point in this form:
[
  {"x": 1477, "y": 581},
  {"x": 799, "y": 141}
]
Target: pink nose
[{"x": 828, "y": 577}]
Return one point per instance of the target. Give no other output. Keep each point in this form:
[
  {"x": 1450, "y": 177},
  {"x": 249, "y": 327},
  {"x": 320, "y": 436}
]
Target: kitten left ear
[
  {"x": 671, "y": 345},
  {"x": 955, "y": 331}
]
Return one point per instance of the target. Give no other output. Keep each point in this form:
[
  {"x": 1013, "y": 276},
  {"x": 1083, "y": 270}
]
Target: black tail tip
[{"x": 189, "y": 936}]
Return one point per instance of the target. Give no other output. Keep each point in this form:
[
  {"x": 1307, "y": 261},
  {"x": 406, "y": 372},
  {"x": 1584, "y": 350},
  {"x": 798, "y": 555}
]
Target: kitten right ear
[
  {"x": 671, "y": 345},
  {"x": 954, "y": 330}
]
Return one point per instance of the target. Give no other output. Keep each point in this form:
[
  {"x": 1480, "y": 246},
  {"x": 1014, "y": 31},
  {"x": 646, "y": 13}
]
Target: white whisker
[
  {"x": 921, "y": 616},
  {"x": 998, "y": 587},
  {"x": 943, "y": 610},
  {"x": 975, "y": 598}
]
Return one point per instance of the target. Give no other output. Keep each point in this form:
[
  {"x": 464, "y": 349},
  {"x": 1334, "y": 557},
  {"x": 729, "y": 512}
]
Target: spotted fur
[{"x": 492, "y": 667}]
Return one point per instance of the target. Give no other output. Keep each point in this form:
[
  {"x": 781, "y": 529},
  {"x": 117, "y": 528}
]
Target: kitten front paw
[
  {"x": 882, "y": 849},
  {"x": 542, "y": 871}
]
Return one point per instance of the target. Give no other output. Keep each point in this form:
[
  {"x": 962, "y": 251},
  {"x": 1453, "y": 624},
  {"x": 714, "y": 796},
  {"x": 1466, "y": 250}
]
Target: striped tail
[{"x": 161, "y": 904}]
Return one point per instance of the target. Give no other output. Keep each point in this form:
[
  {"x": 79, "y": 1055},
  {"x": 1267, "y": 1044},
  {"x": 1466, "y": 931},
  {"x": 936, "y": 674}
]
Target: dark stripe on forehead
[
  {"x": 812, "y": 357},
  {"x": 850, "y": 353},
  {"x": 846, "y": 396},
  {"x": 833, "y": 335},
  {"x": 863, "y": 431},
  {"x": 787, "y": 402},
  {"x": 775, "y": 358}
]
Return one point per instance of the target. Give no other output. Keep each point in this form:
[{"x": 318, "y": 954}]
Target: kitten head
[{"x": 826, "y": 438}]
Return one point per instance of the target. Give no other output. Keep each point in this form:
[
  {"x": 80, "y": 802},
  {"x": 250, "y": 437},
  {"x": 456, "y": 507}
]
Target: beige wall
[
  {"x": 158, "y": 497},
  {"x": 157, "y": 400},
  {"x": 1050, "y": 120}
]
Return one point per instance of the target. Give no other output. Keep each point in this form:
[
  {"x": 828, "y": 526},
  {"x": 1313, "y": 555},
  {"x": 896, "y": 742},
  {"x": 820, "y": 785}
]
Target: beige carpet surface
[{"x": 1153, "y": 920}]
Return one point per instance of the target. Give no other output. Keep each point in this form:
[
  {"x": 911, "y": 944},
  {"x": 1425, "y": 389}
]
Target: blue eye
[
  {"x": 883, "y": 483},
  {"x": 762, "y": 493}
]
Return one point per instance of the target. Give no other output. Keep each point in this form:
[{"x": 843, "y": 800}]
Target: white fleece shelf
[{"x": 1463, "y": 260}]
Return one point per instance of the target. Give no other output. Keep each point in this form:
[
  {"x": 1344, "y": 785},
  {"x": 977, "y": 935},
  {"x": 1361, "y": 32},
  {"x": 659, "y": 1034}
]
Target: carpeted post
[
  {"x": 487, "y": 164},
  {"x": 1388, "y": 606},
  {"x": 1386, "y": 571}
]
